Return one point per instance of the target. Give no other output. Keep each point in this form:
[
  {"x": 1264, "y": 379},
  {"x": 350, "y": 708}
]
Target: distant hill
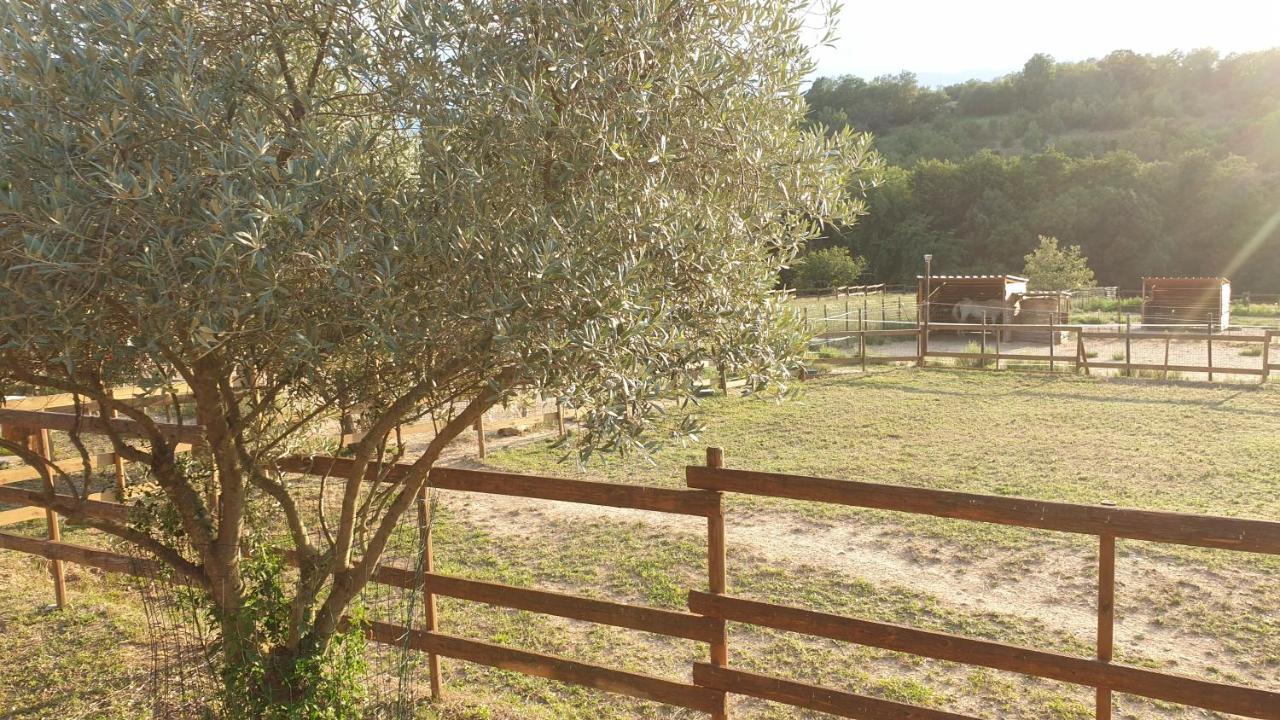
[
  {"x": 1153, "y": 106},
  {"x": 1153, "y": 164}
]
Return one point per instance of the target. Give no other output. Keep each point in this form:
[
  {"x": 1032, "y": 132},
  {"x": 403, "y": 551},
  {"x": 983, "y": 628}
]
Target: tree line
[{"x": 1151, "y": 164}]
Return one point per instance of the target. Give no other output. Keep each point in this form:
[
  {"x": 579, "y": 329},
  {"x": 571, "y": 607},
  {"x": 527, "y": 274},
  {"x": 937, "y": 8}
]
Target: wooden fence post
[
  {"x": 999, "y": 332},
  {"x": 982, "y": 361},
  {"x": 426, "y": 517},
  {"x": 1082, "y": 360},
  {"x": 1128, "y": 349},
  {"x": 846, "y": 314},
  {"x": 119, "y": 466},
  {"x": 1167, "y": 338},
  {"x": 717, "y": 574},
  {"x": 924, "y": 337},
  {"x": 1053, "y": 341},
  {"x": 1106, "y": 614},
  {"x": 39, "y": 442},
  {"x": 480, "y": 450},
  {"x": 1266, "y": 355},
  {"x": 1208, "y": 326},
  {"x": 862, "y": 339}
]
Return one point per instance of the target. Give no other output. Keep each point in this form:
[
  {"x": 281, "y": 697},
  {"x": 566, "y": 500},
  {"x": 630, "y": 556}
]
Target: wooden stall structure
[
  {"x": 1186, "y": 301},
  {"x": 970, "y": 298},
  {"x": 1041, "y": 307}
]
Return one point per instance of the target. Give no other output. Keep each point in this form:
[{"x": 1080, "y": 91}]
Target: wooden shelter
[
  {"x": 970, "y": 298},
  {"x": 1041, "y": 307},
  {"x": 1186, "y": 301}
]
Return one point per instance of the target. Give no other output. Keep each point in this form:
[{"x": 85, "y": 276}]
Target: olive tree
[{"x": 300, "y": 208}]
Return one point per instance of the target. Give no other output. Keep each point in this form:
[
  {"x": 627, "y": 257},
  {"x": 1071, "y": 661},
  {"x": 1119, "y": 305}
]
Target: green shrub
[
  {"x": 827, "y": 268},
  {"x": 974, "y": 348}
]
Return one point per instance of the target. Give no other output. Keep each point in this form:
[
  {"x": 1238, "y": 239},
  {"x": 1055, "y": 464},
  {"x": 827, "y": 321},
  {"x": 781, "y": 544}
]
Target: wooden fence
[
  {"x": 28, "y": 421},
  {"x": 710, "y": 610},
  {"x": 1107, "y": 523},
  {"x": 1072, "y": 353}
]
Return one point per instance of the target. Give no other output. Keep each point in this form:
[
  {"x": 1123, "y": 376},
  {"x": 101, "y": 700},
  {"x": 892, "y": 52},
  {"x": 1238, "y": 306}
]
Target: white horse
[{"x": 973, "y": 311}]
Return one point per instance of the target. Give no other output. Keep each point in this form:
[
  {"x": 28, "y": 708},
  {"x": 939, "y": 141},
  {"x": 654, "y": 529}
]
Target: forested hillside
[{"x": 1152, "y": 164}]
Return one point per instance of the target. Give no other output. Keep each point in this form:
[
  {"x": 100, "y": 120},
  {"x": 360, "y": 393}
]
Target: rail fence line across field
[
  {"x": 1076, "y": 357},
  {"x": 710, "y": 610}
]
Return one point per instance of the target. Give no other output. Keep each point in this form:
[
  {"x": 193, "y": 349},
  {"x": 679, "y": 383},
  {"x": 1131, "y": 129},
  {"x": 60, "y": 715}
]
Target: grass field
[{"x": 1191, "y": 447}]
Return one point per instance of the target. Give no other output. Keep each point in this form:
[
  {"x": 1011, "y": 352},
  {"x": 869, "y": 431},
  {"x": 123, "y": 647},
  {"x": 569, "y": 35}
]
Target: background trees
[
  {"x": 301, "y": 207},
  {"x": 1151, "y": 164},
  {"x": 1187, "y": 216}
]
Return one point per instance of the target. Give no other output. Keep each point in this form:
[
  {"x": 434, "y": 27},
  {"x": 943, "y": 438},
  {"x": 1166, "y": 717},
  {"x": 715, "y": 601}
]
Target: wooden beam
[
  {"x": 20, "y": 515},
  {"x": 871, "y": 360},
  {"x": 1140, "y": 335},
  {"x": 590, "y": 492},
  {"x": 131, "y": 394},
  {"x": 812, "y": 697},
  {"x": 1106, "y": 618},
  {"x": 662, "y": 622},
  {"x": 1262, "y": 536},
  {"x": 1179, "y": 368},
  {"x": 1266, "y": 356},
  {"x": 717, "y": 576},
  {"x": 551, "y": 667},
  {"x": 89, "y": 557},
  {"x": 430, "y": 611},
  {"x": 24, "y": 473},
  {"x": 92, "y": 507},
  {"x": 96, "y": 424},
  {"x": 1219, "y": 697},
  {"x": 975, "y": 327}
]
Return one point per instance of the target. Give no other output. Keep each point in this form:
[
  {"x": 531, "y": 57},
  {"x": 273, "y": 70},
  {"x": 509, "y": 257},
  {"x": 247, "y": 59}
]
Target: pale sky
[{"x": 948, "y": 40}]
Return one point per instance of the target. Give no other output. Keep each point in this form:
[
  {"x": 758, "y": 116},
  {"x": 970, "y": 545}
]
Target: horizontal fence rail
[
  {"x": 592, "y": 492},
  {"x": 672, "y": 623},
  {"x": 812, "y": 697},
  {"x": 68, "y": 422},
  {"x": 997, "y": 656},
  {"x": 1261, "y": 536},
  {"x": 89, "y": 557},
  {"x": 135, "y": 396},
  {"x": 551, "y": 667}
]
